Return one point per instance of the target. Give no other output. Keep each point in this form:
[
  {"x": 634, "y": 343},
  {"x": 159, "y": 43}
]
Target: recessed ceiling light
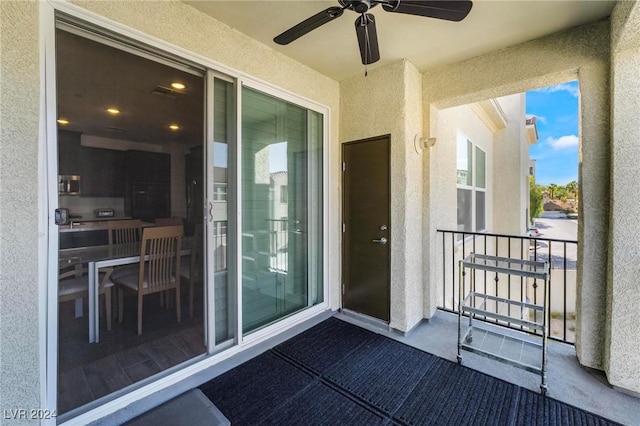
[
  {"x": 178, "y": 86},
  {"x": 174, "y": 127},
  {"x": 113, "y": 110},
  {"x": 63, "y": 121}
]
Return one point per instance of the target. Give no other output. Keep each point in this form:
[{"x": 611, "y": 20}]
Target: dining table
[{"x": 104, "y": 256}]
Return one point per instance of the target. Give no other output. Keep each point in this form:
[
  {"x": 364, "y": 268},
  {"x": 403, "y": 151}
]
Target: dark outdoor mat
[
  {"x": 318, "y": 404},
  {"x": 325, "y": 344},
  {"x": 536, "y": 410},
  {"x": 339, "y": 374},
  {"x": 452, "y": 394},
  {"x": 382, "y": 372},
  {"x": 255, "y": 389}
]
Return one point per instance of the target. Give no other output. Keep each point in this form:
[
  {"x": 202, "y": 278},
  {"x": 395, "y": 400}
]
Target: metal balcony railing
[{"x": 561, "y": 255}]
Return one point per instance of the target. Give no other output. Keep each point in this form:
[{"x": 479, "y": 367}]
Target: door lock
[
  {"x": 383, "y": 227},
  {"x": 382, "y": 240}
]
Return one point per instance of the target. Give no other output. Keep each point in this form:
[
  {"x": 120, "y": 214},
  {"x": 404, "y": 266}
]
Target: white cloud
[
  {"x": 572, "y": 89},
  {"x": 563, "y": 142}
]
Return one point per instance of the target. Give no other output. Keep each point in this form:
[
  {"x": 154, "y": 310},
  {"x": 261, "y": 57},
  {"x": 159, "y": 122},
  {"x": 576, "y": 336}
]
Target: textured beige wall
[
  {"x": 510, "y": 171},
  {"x": 20, "y": 105},
  {"x": 622, "y": 358},
  {"x": 582, "y": 52},
  {"x": 387, "y": 101},
  {"x": 19, "y": 262}
]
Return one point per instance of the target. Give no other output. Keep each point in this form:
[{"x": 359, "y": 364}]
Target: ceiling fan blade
[
  {"x": 367, "y": 38},
  {"x": 308, "y": 25},
  {"x": 451, "y": 10}
]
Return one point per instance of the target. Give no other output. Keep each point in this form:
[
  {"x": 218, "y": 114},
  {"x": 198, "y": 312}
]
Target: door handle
[{"x": 382, "y": 240}]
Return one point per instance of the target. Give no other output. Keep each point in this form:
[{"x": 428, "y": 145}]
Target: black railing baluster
[
  {"x": 527, "y": 253},
  {"x": 564, "y": 301}
]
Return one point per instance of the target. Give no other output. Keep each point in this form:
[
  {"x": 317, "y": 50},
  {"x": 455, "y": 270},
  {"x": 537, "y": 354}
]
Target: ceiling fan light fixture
[
  {"x": 178, "y": 86},
  {"x": 174, "y": 127},
  {"x": 113, "y": 110},
  {"x": 62, "y": 121}
]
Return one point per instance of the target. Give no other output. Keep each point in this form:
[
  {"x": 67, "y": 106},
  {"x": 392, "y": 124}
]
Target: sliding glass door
[
  {"x": 281, "y": 201},
  {"x": 174, "y": 145}
]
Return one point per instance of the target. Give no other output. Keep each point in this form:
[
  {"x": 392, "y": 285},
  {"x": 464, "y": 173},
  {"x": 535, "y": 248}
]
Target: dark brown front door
[{"x": 366, "y": 236}]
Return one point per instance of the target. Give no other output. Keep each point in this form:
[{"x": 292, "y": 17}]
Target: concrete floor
[{"x": 567, "y": 381}]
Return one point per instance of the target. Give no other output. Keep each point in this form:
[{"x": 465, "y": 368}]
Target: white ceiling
[{"x": 332, "y": 49}]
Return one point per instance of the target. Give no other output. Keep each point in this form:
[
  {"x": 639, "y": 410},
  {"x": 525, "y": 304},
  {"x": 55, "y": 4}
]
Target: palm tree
[{"x": 552, "y": 190}]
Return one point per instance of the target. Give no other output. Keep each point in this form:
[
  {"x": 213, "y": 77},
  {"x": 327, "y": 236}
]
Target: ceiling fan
[{"x": 450, "y": 10}]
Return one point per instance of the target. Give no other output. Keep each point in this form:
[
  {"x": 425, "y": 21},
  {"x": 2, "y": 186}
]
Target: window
[
  {"x": 471, "y": 165},
  {"x": 219, "y": 192}
]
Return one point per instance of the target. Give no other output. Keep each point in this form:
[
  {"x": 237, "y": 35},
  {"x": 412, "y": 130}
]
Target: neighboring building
[{"x": 283, "y": 100}]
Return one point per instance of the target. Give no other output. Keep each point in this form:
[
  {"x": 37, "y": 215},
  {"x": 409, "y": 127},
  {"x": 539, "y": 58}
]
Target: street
[{"x": 557, "y": 228}]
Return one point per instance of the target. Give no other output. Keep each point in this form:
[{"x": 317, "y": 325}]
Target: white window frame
[{"x": 473, "y": 187}]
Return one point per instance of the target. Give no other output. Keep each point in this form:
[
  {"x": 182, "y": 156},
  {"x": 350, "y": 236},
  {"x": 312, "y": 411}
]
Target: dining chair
[
  {"x": 74, "y": 283},
  {"x": 169, "y": 221},
  {"x": 162, "y": 246},
  {"x": 124, "y": 231},
  {"x": 191, "y": 269}
]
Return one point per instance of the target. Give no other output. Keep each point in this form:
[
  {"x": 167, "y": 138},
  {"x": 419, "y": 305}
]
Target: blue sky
[{"x": 557, "y": 149}]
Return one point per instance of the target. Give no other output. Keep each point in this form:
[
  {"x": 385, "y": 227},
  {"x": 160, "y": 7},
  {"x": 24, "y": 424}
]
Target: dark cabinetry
[
  {"x": 148, "y": 167},
  {"x": 147, "y": 187},
  {"x": 84, "y": 239},
  {"x": 194, "y": 187},
  {"x": 102, "y": 172},
  {"x": 68, "y": 153}
]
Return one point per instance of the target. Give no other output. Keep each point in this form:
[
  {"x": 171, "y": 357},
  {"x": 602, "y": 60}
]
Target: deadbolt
[{"x": 383, "y": 227}]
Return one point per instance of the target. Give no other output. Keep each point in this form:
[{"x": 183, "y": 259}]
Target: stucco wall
[
  {"x": 582, "y": 52},
  {"x": 21, "y": 199},
  {"x": 19, "y": 260},
  {"x": 622, "y": 358},
  {"x": 510, "y": 169},
  {"x": 387, "y": 101}
]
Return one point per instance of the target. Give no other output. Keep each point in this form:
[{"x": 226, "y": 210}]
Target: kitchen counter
[{"x": 82, "y": 225}]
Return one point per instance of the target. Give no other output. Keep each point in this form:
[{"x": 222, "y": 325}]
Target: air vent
[
  {"x": 167, "y": 92},
  {"x": 116, "y": 129}
]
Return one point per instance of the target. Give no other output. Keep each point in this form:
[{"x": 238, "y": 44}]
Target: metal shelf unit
[{"x": 510, "y": 344}]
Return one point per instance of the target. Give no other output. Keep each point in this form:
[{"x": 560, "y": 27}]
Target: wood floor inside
[{"x": 88, "y": 371}]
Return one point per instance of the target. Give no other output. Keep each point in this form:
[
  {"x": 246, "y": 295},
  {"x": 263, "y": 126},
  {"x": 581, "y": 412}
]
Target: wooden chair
[
  {"x": 124, "y": 231},
  {"x": 74, "y": 283},
  {"x": 169, "y": 221},
  {"x": 192, "y": 269},
  {"x": 158, "y": 274}
]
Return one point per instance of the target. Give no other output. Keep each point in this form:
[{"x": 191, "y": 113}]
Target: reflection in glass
[{"x": 281, "y": 209}]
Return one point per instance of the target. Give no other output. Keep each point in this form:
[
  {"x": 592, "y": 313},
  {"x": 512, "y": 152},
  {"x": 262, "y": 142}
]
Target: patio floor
[{"x": 567, "y": 380}]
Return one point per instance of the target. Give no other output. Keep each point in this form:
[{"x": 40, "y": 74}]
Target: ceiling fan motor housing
[{"x": 358, "y": 6}]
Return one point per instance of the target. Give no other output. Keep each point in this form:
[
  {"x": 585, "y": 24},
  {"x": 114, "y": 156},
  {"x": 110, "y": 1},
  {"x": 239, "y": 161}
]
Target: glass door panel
[
  {"x": 220, "y": 245},
  {"x": 281, "y": 193},
  {"x": 141, "y": 160}
]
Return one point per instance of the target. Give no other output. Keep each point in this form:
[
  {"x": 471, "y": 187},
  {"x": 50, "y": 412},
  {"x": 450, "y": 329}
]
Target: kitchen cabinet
[
  {"x": 148, "y": 167},
  {"x": 101, "y": 173},
  {"x": 148, "y": 185},
  {"x": 68, "y": 152},
  {"x": 90, "y": 238}
]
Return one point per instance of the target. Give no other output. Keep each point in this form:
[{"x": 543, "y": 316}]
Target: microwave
[{"x": 68, "y": 185}]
